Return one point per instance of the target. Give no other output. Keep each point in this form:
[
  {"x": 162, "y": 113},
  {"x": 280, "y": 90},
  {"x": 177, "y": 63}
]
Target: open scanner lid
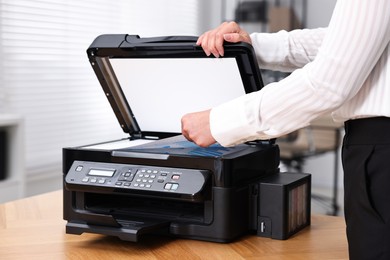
[{"x": 152, "y": 82}]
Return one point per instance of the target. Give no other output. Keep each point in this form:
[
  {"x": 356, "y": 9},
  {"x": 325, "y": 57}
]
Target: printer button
[
  {"x": 79, "y": 168},
  {"x": 127, "y": 177},
  {"x": 175, "y": 177},
  {"x": 101, "y": 181},
  {"x": 131, "y": 177},
  {"x": 174, "y": 186},
  {"x": 118, "y": 183},
  {"x": 168, "y": 186},
  {"x": 85, "y": 179},
  {"x": 93, "y": 180},
  {"x": 160, "y": 180}
]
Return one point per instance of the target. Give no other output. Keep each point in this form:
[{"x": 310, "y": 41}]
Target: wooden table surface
[{"x": 33, "y": 228}]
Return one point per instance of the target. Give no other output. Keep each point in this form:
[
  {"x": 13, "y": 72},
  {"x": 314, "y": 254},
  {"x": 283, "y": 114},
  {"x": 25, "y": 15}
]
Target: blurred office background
[{"x": 50, "y": 97}]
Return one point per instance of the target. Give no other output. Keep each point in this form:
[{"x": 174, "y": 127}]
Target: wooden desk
[{"x": 33, "y": 228}]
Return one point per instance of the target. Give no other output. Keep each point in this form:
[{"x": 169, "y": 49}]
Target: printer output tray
[{"x": 129, "y": 230}]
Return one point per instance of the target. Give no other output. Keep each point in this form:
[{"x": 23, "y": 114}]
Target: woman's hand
[
  {"x": 196, "y": 128},
  {"x": 212, "y": 41}
]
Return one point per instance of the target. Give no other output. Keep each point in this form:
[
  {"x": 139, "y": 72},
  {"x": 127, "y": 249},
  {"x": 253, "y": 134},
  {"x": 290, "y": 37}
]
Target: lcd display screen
[
  {"x": 101, "y": 173},
  {"x": 160, "y": 91}
]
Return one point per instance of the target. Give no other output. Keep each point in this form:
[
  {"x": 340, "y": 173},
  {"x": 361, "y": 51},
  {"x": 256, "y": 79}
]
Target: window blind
[{"x": 44, "y": 71}]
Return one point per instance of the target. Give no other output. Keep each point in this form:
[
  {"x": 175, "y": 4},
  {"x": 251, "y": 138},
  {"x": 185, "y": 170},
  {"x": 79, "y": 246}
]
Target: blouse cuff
[{"x": 231, "y": 123}]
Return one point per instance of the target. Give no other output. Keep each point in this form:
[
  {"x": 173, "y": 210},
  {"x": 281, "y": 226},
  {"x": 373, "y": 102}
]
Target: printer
[{"x": 155, "y": 182}]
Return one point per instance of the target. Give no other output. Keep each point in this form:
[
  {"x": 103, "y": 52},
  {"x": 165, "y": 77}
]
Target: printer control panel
[{"x": 136, "y": 177}]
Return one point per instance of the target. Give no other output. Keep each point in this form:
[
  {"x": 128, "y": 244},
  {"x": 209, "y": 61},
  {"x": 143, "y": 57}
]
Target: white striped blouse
[{"x": 343, "y": 69}]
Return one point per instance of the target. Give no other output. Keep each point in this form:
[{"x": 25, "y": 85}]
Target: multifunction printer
[{"x": 155, "y": 182}]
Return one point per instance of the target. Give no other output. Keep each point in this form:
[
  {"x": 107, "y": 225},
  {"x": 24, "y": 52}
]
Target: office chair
[{"x": 321, "y": 136}]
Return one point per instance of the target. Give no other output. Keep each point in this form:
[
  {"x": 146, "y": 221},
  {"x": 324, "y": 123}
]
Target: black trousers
[{"x": 366, "y": 163}]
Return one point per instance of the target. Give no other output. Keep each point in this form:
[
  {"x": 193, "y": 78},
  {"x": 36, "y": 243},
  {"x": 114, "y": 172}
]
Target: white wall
[
  {"x": 59, "y": 99},
  {"x": 319, "y": 12}
]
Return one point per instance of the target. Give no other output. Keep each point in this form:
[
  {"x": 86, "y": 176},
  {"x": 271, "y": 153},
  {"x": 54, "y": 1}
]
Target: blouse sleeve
[
  {"x": 356, "y": 37},
  {"x": 287, "y": 51}
]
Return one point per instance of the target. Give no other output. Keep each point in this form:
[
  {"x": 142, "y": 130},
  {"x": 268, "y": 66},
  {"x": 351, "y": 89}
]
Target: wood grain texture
[{"x": 33, "y": 228}]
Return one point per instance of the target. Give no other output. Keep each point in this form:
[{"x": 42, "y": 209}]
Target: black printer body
[{"x": 155, "y": 181}]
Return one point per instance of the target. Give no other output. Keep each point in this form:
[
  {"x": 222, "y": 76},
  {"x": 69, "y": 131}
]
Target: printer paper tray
[{"x": 130, "y": 230}]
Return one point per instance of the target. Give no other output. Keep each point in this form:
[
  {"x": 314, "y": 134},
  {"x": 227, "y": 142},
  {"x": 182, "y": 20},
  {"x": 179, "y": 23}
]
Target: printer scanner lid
[{"x": 152, "y": 82}]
